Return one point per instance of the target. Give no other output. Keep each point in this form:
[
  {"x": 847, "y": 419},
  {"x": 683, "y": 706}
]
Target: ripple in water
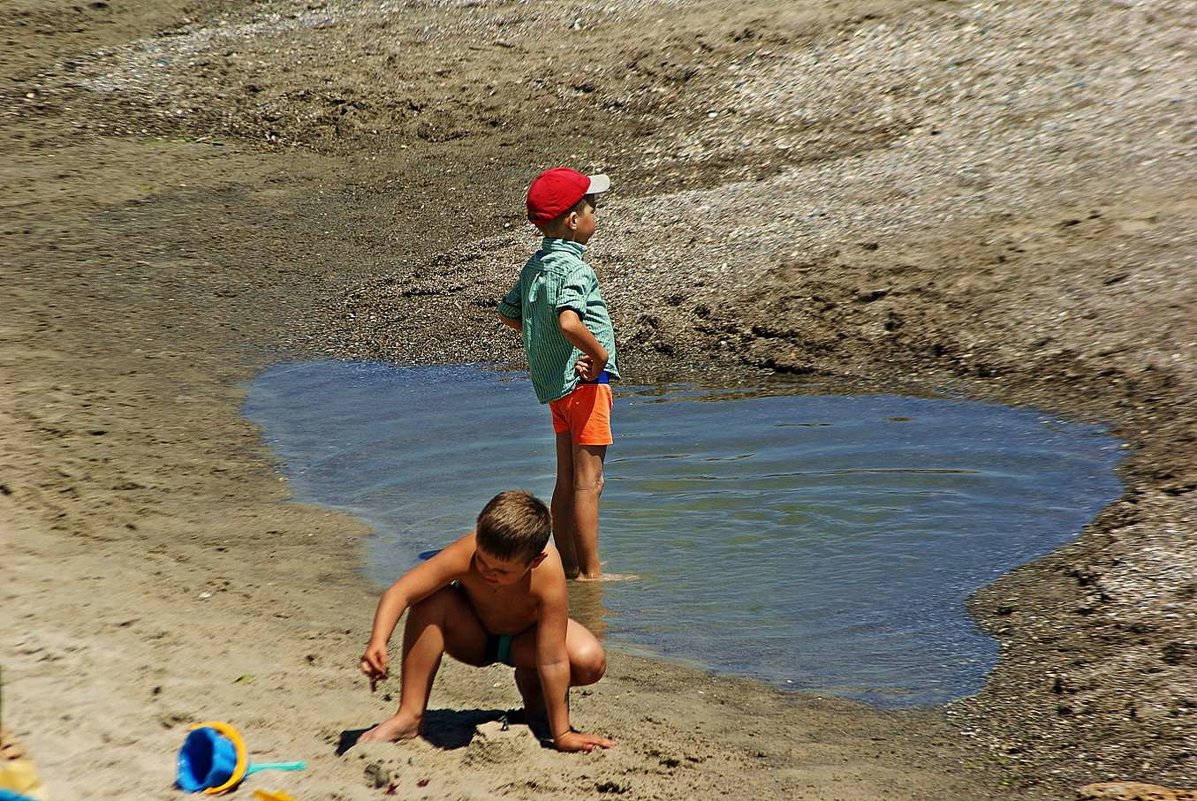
[{"x": 817, "y": 542}]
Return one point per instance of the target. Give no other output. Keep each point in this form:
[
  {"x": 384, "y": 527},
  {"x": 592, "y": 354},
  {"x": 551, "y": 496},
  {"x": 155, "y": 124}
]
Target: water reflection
[
  {"x": 816, "y": 542},
  {"x": 586, "y": 606}
]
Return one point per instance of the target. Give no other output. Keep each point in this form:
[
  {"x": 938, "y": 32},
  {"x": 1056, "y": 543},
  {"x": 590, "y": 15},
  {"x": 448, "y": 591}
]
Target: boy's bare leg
[
  {"x": 588, "y": 487},
  {"x": 527, "y": 681},
  {"x": 442, "y": 622},
  {"x": 587, "y": 664},
  {"x": 562, "y": 506}
]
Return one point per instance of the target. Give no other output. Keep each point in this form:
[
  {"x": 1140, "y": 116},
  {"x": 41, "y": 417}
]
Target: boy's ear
[{"x": 538, "y": 559}]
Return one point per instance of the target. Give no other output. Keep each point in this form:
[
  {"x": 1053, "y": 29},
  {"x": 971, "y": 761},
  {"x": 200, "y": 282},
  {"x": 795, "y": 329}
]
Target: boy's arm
[
  {"x": 552, "y": 666},
  {"x": 412, "y": 587},
  {"x": 578, "y": 335},
  {"x": 511, "y": 310}
]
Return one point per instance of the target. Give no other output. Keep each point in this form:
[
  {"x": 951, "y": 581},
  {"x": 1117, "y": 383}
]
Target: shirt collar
[{"x": 551, "y": 244}]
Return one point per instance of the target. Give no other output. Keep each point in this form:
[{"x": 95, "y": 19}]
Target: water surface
[{"x": 817, "y": 542}]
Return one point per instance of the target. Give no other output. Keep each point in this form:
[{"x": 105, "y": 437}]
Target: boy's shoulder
[
  {"x": 560, "y": 271},
  {"x": 548, "y": 577},
  {"x": 558, "y": 258}
]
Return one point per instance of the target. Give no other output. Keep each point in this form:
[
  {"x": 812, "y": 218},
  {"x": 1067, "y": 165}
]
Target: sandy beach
[{"x": 983, "y": 200}]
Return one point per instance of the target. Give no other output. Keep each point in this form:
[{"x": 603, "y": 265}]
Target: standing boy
[
  {"x": 495, "y": 595},
  {"x": 570, "y": 346}
]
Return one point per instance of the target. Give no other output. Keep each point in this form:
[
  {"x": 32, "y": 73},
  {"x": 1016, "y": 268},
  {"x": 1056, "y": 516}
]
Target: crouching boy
[{"x": 498, "y": 594}]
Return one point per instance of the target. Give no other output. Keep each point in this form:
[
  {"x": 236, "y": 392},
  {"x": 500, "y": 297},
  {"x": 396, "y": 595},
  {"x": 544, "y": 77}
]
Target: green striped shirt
[{"x": 553, "y": 280}]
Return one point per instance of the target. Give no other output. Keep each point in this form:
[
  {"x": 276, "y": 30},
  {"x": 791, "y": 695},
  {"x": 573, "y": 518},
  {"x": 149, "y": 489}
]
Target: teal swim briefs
[{"x": 498, "y": 649}]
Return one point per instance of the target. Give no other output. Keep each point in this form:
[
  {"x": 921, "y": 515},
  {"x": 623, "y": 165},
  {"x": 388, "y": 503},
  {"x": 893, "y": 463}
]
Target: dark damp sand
[{"x": 923, "y": 197}]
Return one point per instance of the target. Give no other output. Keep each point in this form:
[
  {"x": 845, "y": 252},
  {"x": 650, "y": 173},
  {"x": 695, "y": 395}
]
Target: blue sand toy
[
  {"x": 214, "y": 760},
  {"x": 9, "y": 795}
]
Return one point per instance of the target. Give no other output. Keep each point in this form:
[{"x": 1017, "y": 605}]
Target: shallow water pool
[{"x": 817, "y": 542}]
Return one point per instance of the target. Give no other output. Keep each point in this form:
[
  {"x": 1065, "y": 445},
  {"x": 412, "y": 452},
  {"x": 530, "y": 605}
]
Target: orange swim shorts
[{"x": 585, "y": 413}]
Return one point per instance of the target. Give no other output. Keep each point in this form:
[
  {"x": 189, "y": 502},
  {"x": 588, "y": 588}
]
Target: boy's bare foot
[{"x": 392, "y": 730}]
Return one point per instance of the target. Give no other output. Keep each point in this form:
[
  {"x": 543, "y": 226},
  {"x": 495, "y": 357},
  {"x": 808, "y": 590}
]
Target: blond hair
[{"x": 514, "y": 524}]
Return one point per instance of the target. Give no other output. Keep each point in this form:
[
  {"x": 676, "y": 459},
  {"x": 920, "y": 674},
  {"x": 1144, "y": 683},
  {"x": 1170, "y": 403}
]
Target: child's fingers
[
  {"x": 373, "y": 666},
  {"x": 373, "y": 674}
]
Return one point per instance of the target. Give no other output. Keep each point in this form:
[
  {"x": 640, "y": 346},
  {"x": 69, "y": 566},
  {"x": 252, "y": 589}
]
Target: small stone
[{"x": 377, "y": 775}]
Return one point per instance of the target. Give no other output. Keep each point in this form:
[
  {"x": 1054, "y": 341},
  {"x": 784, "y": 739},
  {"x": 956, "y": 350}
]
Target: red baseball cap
[{"x": 558, "y": 190}]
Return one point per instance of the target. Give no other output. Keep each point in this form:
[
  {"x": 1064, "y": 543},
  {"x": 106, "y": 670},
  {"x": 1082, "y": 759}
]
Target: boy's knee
[
  {"x": 589, "y": 483},
  {"x": 590, "y": 666},
  {"x": 435, "y": 606}
]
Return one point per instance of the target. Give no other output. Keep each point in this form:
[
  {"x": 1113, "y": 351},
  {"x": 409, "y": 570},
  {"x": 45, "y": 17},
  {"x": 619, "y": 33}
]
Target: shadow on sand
[{"x": 443, "y": 728}]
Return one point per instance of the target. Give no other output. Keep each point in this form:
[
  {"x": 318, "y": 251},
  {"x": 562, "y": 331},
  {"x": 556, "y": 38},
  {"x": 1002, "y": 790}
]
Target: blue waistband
[{"x": 603, "y": 378}]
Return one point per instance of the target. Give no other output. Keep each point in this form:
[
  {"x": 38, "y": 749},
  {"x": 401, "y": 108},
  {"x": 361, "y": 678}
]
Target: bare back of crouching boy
[{"x": 498, "y": 594}]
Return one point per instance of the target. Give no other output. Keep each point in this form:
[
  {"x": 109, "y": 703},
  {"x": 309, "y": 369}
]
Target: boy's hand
[
  {"x": 374, "y": 663},
  {"x": 573, "y": 741},
  {"x": 588, "y": 368},
  {"x": 583, "y": 365}
]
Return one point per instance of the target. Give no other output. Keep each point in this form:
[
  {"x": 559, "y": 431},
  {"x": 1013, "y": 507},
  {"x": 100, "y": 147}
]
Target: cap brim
[{"x": 598, "y": 184}]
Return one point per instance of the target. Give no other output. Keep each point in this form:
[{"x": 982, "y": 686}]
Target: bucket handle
[{"x": 254, "y": 768}]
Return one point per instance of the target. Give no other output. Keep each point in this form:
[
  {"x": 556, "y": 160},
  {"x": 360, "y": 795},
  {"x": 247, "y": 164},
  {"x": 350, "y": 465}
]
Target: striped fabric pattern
[{"x": 554, "y": 279}]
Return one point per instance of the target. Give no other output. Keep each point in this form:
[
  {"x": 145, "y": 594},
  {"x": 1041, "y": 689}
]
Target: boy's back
[{"x": 555, "y": 279}]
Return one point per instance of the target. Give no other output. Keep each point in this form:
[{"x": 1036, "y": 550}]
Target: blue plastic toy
[{"x": 214, "y": 760}]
